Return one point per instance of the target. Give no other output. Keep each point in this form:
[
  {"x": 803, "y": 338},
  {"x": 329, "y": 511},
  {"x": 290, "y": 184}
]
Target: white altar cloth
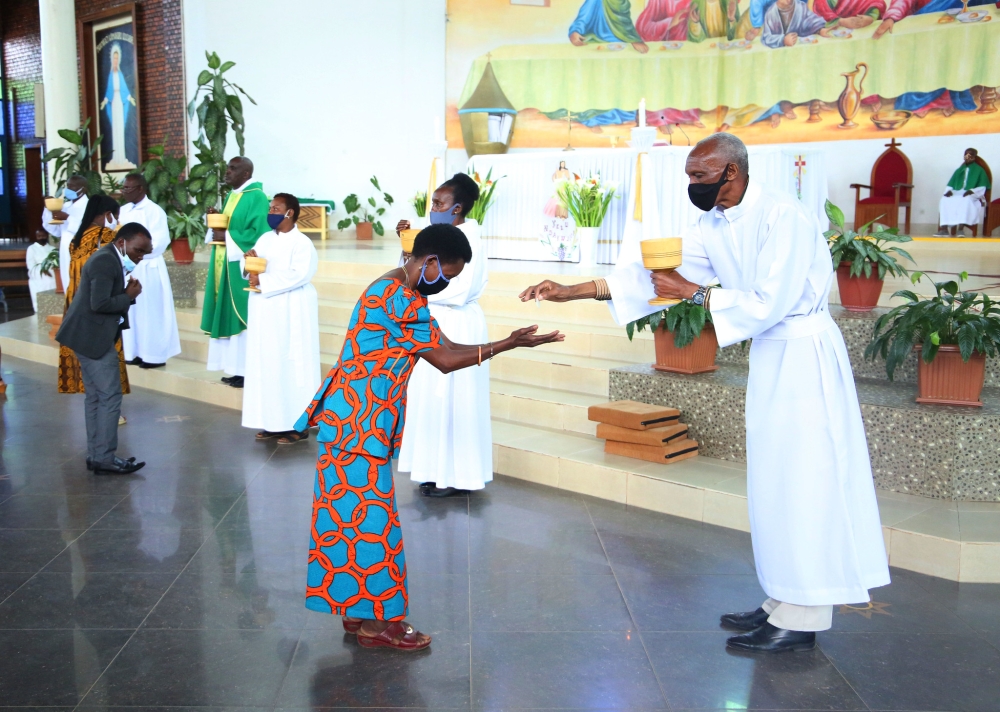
[{"x": 514, "y": 225}]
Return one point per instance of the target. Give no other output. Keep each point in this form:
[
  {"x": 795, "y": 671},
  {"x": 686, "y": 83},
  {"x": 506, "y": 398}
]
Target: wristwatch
[{"x": 699, "y": 296}]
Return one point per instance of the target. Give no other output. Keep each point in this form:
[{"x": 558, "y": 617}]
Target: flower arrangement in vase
[
  {"x": 486, "y": 190},
  {"x": 587, "y": 201}
]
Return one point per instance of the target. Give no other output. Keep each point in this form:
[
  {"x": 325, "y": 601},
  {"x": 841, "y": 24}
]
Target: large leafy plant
[
  {"x": 368, "y": 211},
  {"x": 586, "y": 200},
  {"x": 218, "y": 106},
  {"x": 866, "y": 249},
  {"x": 684, "y": 320},
  {"x": 967, "y": 319},
  {"x": 168, "y": 188},
  {"x": 76, "y": 159}
]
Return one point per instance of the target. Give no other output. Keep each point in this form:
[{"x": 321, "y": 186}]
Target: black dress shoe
[
  {"x": 227, "y": 379},
  {"x": 135, "y": 362},
  {"x": 236, "y": 382},
  {"x": 745, "y": 621},
  {"x": 441, "y": 492},
  {"x": 90, "y": 463},
  {"x": 118, "y": 467},
  {"x": 144, "y": 364},
  {"x": 769, "y": 639},
  {"x": 425, "y": 487}
]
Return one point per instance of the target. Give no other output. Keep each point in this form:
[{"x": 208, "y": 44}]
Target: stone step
[{"x": 953, "y": 540}]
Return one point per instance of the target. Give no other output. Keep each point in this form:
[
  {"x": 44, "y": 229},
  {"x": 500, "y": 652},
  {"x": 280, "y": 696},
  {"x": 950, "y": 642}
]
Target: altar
[{"x": 517, "y": 228}]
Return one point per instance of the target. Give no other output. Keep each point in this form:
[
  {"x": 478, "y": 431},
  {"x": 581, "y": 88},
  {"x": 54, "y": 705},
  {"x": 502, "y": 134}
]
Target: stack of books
[{"x": 642, "y": 431}]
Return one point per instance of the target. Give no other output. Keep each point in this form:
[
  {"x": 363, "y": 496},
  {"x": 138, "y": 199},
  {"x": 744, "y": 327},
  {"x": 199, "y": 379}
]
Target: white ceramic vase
[{"x": 586, "y": 239}]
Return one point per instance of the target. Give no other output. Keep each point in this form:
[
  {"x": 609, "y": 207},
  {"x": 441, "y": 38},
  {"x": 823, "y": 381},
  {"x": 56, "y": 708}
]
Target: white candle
[{"x": 642, "y": 113}]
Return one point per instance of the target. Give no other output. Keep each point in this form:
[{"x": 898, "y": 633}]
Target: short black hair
[
  {"x": 446, "y": 241},
  {"x": 291, "y": 203},
  {"x": 140, "y": 178},
  {"x": 974, "y": 152},
  {"x": 132, "y": 230},
  {"x": 464, "y": 190}
]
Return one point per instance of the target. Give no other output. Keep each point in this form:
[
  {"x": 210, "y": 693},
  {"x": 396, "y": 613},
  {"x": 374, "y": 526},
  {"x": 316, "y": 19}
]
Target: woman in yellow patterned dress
[{"x": 97, "y": 228}]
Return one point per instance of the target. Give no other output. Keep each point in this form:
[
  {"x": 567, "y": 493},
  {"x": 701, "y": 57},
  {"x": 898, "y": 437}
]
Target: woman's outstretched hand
[{"x": 527, "y": 337}]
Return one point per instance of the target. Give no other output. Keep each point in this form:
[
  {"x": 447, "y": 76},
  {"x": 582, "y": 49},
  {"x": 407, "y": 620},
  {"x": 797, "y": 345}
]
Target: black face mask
[
  {"x": 704, "y": 195},
  {"x": 430, "y": 288}
]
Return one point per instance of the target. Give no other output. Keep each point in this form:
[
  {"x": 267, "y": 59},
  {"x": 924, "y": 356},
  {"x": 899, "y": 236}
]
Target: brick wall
[
  {"x": 161, "y": 69},
  {"x": 22, "y": 68}
]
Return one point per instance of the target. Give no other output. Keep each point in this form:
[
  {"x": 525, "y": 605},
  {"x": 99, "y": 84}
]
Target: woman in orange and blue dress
[{"x": 357, "y": 567}]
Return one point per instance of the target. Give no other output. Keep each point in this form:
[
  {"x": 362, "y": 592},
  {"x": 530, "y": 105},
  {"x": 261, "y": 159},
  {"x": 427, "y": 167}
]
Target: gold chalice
[
  {"x": 217, "y": 221},
  {"x": 407, "y": 238},
  {"x": 254, "y": 265},
  {"x": 661, "y": 255},
  {"x": 55, "y": 205}
]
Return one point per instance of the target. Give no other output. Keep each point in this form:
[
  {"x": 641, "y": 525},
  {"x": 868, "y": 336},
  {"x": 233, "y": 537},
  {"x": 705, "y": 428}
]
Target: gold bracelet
[
  {"x": 491, "y": 350},
  {"x": 602, "y": 291}
]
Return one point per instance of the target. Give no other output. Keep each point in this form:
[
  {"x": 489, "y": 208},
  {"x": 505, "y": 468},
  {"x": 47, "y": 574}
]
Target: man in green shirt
[
  {"x": 963, "y": 202},
  {"x": 224, "y": 314}
]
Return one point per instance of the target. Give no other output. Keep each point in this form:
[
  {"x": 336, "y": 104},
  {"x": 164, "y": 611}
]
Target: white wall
[{"x": 344, "y": 90}]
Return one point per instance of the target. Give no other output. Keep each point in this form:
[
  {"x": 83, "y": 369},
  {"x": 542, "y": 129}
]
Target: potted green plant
[
  {"x": 75, "y": 159},
  {"x": 587, "y": 201},
  {"x": 952, "y": 332},
  {"x": 683, "y": 336},
  {"x": 863, "y": 259},
  {"x": 168, "y": 188},
  {"x": 50, "y": 266},
  {"x": 366, "y": 217}
]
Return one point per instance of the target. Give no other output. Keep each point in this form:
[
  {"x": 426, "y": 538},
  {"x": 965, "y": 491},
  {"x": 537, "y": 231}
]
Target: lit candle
[{"x": 642, "y": 113}]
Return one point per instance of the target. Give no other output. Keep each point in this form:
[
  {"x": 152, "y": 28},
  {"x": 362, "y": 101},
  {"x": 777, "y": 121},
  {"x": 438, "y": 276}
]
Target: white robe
[
  {"x": 814, "y": 519},
  {"x": 282, "y": 334},
  {"x": 448, "y": 438},
  {"x": 959, "y": 209},
  {"x": 152, "y": 333},
  {"x": 38, "y": 282},
  {"x": 65, "y": 231}
]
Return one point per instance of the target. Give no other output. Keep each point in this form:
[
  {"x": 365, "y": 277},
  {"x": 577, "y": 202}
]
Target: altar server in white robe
[
  {"x": 33, "y": 257},
  {"x": 74, "y": 205},
  {"x": 448, "y": 439},
  {"x": 282, "y": 335},
  {"x": 152, "y": 335},
  {"x": 814, "y": 520}
]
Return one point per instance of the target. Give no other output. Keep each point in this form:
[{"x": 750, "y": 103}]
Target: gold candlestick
[
  {"x": 662, "y": 255},
  {"x": 254, "y": 265}
]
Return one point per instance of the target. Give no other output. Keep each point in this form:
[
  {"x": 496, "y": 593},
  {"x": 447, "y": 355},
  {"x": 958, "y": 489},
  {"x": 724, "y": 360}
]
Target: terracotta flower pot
[
  {"x": 59, "y": 285},
  {"x": 948, "y": 380},
  {"x": 365, "y": 231},
  {"x": 696, "y": 357},
  {"x": 181, "y": 250},
  {"x": 858, "y": 294}
]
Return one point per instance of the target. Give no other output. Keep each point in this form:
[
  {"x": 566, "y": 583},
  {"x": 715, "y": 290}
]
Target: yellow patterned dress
[{"x": 70, "y": 380}]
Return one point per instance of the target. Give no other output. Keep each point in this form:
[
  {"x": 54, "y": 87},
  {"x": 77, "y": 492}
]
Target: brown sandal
[
  {"x": 292, "y": 437},
  {"x": 352, "y": 625},
  {"x": 266, "y": 435},
  {"x": 399, "y": 635}
]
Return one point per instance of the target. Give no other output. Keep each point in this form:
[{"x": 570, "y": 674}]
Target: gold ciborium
[
  {"x": 217, "y": 221},
  {"x": 55, "y": 205},
  {"x": 661, "y": 255},
  {"x": 254, "y": 265},
  {"x": 407, "y": 238}
]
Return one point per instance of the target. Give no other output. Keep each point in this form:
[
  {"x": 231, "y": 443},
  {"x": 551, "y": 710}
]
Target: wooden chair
[
  {"x": 12, "y": 260},
  {"x": 991, "y": 217},
  {"x": 890, "y": 189}
]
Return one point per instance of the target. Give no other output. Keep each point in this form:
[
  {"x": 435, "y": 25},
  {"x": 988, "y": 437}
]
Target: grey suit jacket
[{"x": 92, "y": 323}]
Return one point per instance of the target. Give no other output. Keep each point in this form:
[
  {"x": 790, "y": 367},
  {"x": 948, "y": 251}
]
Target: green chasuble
[
  {"x": 224, "y": 313},
  {"x": 969, "y": 177},
  {"x": 605, "y": 21}
]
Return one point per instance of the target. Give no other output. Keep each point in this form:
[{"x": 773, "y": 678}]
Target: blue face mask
[
  {"x": 70, "y": 194},
  {"x": 438, "y": 285},
  {"x": 273, "y": 220},
  {"x": 442, "y": 218},
  {"x": 127, "y": 262}
]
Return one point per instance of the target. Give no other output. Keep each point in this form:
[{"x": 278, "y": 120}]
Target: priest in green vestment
[
  {"x": 964, "y": 199},
  {"x": 224, "y": 314}
]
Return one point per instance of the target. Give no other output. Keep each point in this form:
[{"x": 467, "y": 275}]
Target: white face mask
[{"x": 112, "y": 223}]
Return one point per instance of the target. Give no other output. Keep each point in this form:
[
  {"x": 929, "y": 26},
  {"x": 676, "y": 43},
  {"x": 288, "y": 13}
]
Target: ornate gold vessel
[{"x": 662, "y": 255}]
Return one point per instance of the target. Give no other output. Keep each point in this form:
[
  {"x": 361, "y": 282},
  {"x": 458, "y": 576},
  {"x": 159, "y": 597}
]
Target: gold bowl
[
  {"x": 54, "y": 204},
  {"x": 217, "y": 221},
  {"x": 407, "y": 238},
  {"x": 663, "y": 254},
  {"x": 891, "y": 120},
  {"x": 254, "y": 265}
]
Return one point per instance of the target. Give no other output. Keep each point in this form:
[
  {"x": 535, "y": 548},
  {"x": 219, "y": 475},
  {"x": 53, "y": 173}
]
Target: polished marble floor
[{"x": 183, "y": 588}]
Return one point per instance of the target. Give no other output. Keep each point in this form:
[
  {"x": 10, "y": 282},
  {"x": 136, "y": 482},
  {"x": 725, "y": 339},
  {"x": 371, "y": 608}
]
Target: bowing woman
[{"x": 357, "y": 568}]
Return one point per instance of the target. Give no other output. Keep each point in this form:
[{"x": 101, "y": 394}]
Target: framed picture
[{"x": 111, "y": 78}]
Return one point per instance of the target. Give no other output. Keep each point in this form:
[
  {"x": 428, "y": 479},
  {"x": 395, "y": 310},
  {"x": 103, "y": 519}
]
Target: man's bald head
[
  {"x": 726, "y": 147},
  {"x": 238, "y": 171}
]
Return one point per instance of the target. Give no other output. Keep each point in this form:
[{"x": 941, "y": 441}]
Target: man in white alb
[
  {"x": 282, "y": 337},
  {"x": 34, "y": 257},
  {"x": 152, "y": 335},
  {"x": 814, "y": 520},
  {"x": 963, "y": 202},
  {"x": 76, "y": 199}
]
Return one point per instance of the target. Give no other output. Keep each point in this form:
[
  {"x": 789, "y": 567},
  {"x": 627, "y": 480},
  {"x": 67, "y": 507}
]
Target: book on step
[
  {"x": 653, "y": 436},
  {"x": 633, "y": 415},
  {"x": 664, "y": 454}
]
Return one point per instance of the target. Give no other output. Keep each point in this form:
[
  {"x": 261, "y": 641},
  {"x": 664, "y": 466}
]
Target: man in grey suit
[{"x": 91, "y": 327}]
